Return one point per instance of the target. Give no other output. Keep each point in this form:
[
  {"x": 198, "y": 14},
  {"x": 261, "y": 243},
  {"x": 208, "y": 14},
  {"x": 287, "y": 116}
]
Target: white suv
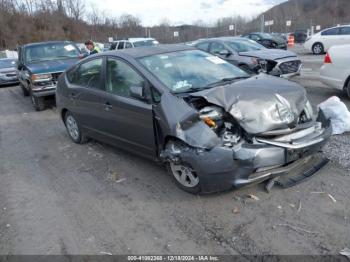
[
  {"x": 133, "y": 42},
  {"x": 319, "y": 43}
]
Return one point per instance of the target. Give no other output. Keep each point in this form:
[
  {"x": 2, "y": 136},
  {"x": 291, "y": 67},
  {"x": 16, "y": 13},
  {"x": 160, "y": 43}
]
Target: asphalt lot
[{"x": 57, "y": 197}]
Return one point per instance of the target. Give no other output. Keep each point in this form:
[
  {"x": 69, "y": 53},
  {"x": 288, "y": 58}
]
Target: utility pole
[{"x": 262, "y": 26}]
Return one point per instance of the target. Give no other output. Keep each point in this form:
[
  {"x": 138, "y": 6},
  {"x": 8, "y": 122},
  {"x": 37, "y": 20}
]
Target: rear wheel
[
  {"x": 73, "y": 128},
  {"x": 185, "y": 177},
  {"x": 318, "y": 49}
]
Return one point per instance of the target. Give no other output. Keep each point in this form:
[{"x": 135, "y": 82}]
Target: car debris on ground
[{"x": 335, "y": 110}]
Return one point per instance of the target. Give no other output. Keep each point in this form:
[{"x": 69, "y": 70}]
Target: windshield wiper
[
  {"x": 227, "y": 80},
  {"x": 189, "y": 90}
]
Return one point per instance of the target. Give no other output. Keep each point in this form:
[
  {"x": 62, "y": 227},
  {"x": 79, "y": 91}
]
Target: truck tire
[
  {"x": 24, "y": 90},
  {"x": 38, "y": 103}
]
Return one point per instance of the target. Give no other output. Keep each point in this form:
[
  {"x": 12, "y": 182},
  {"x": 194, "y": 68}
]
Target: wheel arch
[{"x": 63, "y": 113}]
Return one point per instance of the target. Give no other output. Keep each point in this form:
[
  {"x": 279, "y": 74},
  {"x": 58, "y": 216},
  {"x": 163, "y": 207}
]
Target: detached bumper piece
[{"x": 299, "y": 174}]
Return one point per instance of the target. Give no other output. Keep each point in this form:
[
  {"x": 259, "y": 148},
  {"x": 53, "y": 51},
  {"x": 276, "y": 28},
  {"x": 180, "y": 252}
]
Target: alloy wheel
[
  {"x": 72, "y": 127},
  {"x": 185, "y": 175}
]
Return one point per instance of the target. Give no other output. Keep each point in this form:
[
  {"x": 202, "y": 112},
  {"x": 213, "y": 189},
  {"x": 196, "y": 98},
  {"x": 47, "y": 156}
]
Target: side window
[
  {"x": 333, "y": 31},
  {"x": 215, "y": 48},
  {"x": 120, "y": 77},
  {"x": 87, "y": 74},
  {"x": 345, "y": 30},
  {"x": 203, "y": 46},
  {"x": 128, "y": 45},
  {"x": 121, "y": 45}
]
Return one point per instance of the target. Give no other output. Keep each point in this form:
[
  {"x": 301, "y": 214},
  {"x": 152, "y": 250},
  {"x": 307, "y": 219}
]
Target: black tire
[
  {"x": 192, "y": 190},
  {"x": 24, "y": 90},
  {"x": 318, "y": 49},
  {"x": 38, "y": 103},
  {"x": 78, "y": 137},
  {"x": 347, "y": 88}
]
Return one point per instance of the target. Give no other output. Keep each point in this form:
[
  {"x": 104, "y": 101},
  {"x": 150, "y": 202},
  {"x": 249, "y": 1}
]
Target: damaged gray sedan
[{"x": 214, "y": 126}]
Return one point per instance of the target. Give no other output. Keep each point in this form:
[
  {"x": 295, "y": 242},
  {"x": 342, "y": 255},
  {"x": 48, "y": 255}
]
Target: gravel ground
[{"x": 338, "y": 150}]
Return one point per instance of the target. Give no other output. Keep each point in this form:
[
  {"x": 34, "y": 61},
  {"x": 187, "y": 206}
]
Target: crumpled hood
[
  {"x": 269, "y": 54},
  {"x": 261, "y": 103},
  {"x": 51, "y": 66}
]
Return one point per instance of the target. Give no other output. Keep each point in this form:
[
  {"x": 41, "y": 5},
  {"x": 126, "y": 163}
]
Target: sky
[{"x": 152, "y": 12}]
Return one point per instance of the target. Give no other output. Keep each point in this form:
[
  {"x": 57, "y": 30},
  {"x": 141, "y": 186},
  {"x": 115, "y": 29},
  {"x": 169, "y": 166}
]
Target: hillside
[{"x": 304, "y": 13}]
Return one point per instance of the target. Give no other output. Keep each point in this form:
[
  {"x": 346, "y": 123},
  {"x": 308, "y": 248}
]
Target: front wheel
[
  {"x": 73, "y": 128},
  {"x": 347, "y": 88},
  {"x": 38, "y": 103},
  {"x": 24, "y": 90},
  {"x": 185, "y": 177}
]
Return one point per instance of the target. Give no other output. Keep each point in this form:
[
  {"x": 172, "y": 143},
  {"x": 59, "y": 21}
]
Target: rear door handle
[{"x": 108, "y": 106}]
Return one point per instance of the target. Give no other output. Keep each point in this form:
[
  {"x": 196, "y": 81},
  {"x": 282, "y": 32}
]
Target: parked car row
[
  {"x": 251, "y": 56},
  {"x": 267, "y": 40}
]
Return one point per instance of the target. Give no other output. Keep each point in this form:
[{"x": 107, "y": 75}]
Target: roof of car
[
  {"x": 152, "y": 50},
  {"x": 47, "y": 42},
  {"x": 135, "y": 39},
  {"x": 225, "y": 38}
]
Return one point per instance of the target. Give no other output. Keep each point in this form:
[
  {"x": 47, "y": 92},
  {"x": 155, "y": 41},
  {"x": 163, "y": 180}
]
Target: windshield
[
  {"x": 7, "y": 63},
  {"x": 186, "y": 70},
  {"x": 145, "y": 43},
  {"x": 50, "y": 51},
  {"x": 244, "y": 45}
]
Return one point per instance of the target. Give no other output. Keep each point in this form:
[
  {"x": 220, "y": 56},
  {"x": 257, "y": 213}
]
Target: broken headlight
[
  {"x": 212, "y": 116},
  {"x": 307, "y": 114}
]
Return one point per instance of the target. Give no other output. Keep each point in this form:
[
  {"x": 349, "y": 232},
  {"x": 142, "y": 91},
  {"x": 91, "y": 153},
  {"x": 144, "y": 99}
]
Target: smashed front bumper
[
  {"x": 44, "y": 90},
  {"x": 222, "y": 168}
]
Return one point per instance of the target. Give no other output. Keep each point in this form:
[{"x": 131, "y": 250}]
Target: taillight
[{"x": 327, "y": 59}]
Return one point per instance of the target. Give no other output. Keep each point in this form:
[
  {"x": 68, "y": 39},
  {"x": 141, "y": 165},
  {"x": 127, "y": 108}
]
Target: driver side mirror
[
  {"x": 225, "y": 53},
  {"x": 19, "y": 65},
  {"x": 138, "y": 92}
]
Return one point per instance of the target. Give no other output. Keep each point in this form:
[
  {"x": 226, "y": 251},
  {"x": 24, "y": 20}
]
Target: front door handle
[
  {"x": 72, "y": 96},
  {"x": 108, "y": 106}
]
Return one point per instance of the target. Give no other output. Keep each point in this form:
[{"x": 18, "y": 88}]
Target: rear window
[
  {"x": 244, "y": 46},
  {"x": 333, "y": 31},
  {"x": 345, "y": 30}
]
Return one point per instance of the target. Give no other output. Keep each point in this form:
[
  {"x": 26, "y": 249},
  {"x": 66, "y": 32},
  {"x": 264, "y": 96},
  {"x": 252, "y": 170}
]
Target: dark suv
[{"x": 39, "y": 66}]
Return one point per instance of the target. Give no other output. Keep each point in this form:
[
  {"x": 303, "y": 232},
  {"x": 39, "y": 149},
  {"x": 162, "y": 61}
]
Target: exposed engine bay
[{"x": 230, "y": 132}]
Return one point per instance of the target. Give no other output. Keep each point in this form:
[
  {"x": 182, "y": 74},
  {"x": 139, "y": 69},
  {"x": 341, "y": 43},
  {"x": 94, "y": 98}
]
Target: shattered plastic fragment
[{"x": 253, "y": 197}]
